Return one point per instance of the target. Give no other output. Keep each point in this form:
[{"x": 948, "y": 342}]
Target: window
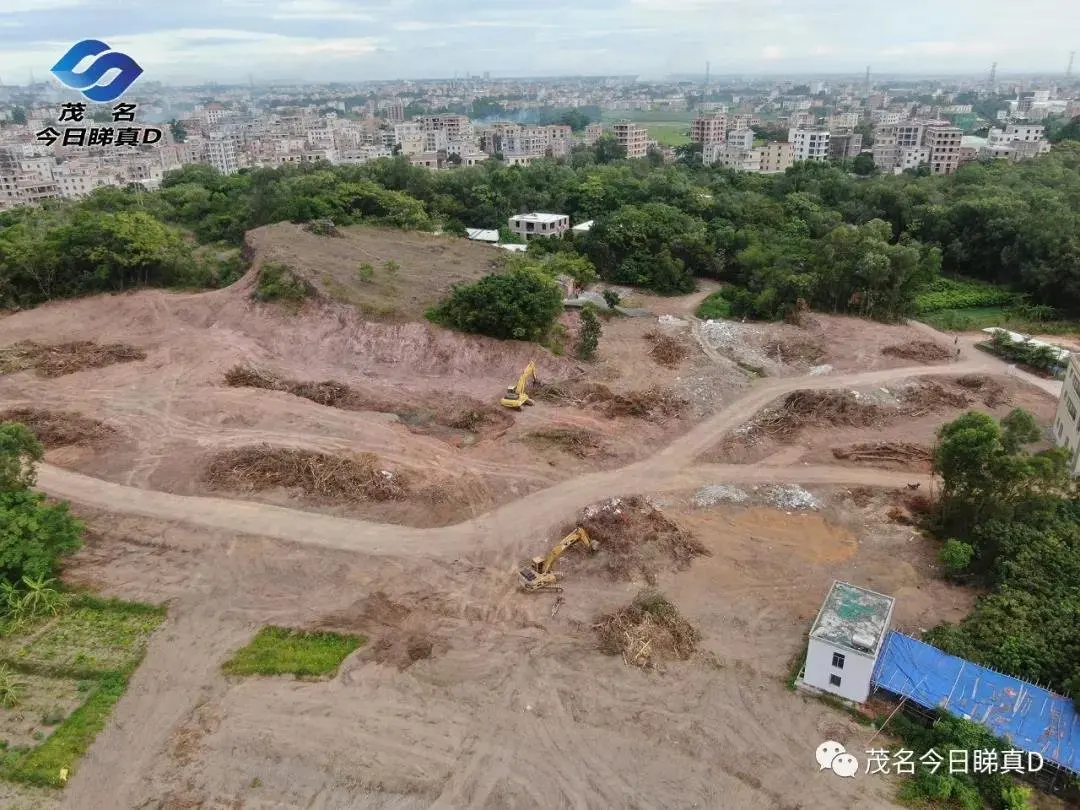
[
  {"x": 838, "y": 660},
  {"x": 1070, "y": 407},
  {"x": 834, "y": 680}
]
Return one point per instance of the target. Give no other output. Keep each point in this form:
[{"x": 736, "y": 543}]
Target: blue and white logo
[{"x": 86, "y": 80}]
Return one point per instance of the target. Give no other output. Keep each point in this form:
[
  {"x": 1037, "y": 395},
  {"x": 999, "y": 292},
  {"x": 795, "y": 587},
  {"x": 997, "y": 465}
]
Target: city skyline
[{"x": 334, "y": 40}]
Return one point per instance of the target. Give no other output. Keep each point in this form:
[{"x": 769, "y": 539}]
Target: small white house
[
  {"x": 537, "y": 224},
  {"x": 845, "y": 641},
  {"x": 483, "y": 235}
]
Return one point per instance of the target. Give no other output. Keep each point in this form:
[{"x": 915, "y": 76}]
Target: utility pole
[
  {"x": 868, "y": 80},
  {"x": 992, "y": 80},
  {"x": 705, "y": 89},
  {"x": 1068, "y": 70}
]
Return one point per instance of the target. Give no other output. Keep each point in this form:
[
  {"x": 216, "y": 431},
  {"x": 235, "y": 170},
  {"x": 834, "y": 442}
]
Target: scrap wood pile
[
  {"x": 922, "y": 351},
  {"x": 652, "y": 405},
  {"x": 65, "y": 358},
  {"x": 993, "y": 392},
  {"x": 904, "y": 453},
  {"x": 807, "y": 407},
  {"x": 59, "y": 428},
  {"x": 647, "y": 632},
  {"x": 928, "y": 396},
  {"x": 637, "y": 539},
  {"x": 261, "y": 467},
  {"x": 577, "y": 441},
  {"x": 791, "y": 350},
  {"x": 449, "y": 410},
  {"x": 667, "y": 350}
]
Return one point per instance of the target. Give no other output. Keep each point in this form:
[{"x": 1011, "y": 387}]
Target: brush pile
[
  {"x": 653, "y": 405},
  {"x": 647, "y": 632},
  {"x": 806, "y": 408},
  {"x": 65, "y": 358},
  {"x": 993, "y": 392},
  {"x": 576, "y": 441},
  {"x": 902, "y": 454},
  {"x": 921, "y": 351},
  {"x": 637, "y": 539},
  {"x": 319, "y": 475},
  {"x": 59, "y": 428},
  {"x": 667, "y": 350}
]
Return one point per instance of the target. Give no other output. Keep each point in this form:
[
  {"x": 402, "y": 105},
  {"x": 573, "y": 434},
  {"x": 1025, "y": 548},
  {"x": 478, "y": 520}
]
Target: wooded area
[{"x": 844, "y": 243}]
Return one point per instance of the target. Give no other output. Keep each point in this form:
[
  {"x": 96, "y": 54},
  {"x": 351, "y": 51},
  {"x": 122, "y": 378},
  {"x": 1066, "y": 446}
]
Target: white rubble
[{"x": 714, "y": 494}]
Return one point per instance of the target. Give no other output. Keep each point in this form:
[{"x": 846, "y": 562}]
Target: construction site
[{"x": 578, "y": 584}]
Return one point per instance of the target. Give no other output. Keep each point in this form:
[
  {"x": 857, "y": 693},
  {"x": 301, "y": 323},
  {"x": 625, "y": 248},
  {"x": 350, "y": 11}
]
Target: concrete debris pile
[
  {"x": 790, "y": 497},
  {"x": 715, "y": 494}
]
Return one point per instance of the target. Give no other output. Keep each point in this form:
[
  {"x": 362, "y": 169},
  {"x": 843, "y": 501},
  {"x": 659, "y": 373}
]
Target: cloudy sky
[{"x": 318, "y": 40}]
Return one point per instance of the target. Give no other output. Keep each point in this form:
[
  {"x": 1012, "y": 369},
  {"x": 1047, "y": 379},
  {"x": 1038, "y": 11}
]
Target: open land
[{"x": 468, "y": 693}]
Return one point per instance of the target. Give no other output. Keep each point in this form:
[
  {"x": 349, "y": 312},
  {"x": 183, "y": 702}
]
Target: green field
[
  {"x": 281, "y": 651},
  {"x": 669, "y": 133},
  {"x": 666, "y": 127}
]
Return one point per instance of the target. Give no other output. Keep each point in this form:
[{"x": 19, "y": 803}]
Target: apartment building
[
  {"x": 844, "y": 145},
  {"x": 456, "y": 127},
  {"x": 843, "y": 121},
  {"x": 943, "y": 141},
  {"x": 890, "y": 141},
  {"x": 777, "y": 157},
  {"x": 809, "y": 144},
  {"x": 709, "y": 128},
  {"x": 531, "y": 225},
  {"x": 740, "y": 139},
  {"x": 592, "y": 132},
  {"x": 1015, "y": 142},
  {"x": 223, "y": 155},
  {"x": 632, "y": 138},
  {"x": 732, "y": 156},
  {"x": 1066, "y": 429}
]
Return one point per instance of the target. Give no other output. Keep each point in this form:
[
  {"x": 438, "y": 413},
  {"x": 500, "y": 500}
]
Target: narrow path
[{"x": 673, "y": 467}]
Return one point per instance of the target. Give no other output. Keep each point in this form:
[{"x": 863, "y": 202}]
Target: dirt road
[{"x": 671, "y": 468}]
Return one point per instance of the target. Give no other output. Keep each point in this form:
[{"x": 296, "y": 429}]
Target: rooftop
[
  {"x": 538, "y": 217},
  {"x": 854, "y": 618}
]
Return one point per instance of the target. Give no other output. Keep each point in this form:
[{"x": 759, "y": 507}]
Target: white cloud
[
  {"x": 420, "y": 25},
  {"x": 940, "y": 49},
  {"x": 184, "y": 54},
  {"x": 21, "y": 6},
  {"x": 771, "y": 52},
  {"x": 318, "y": 10}
]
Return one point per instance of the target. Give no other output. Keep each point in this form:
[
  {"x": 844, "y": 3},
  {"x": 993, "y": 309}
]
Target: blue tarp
[{"x": 1024, "y": 715}]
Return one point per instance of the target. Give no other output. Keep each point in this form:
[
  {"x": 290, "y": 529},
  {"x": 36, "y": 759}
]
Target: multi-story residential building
[
  {"x": 912, "y": 157},
  {"x": 221, "y": 153},
  {"x": 776, "y": 157},
  {"x": 1018, "y": 141},
  {"x": 840, "y": 121},
  {"x": 740, "y": 138},
  {"x": 632, "y": 138},
  {"x": 809, "y": 144},
  {"x": 1066, "y": 429},
  {"x": 592, "y": 132},
  {"x": 531, "y": 225},
  {"x": 890, "y": 141},
  {"x": 885, "y": 117},
  {"x": 844, "y": 145},
  {"x": 943, "y": 141},
  {"x": 732, "y": 156},
  {"x": 456, "y": 127},
  {"x": 709, "y": 128}
]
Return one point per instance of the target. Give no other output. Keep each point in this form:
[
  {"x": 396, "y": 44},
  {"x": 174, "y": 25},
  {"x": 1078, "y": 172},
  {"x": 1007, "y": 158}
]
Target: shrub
[
  {"x": 281, "y": 651},
  {"x": 715, "y": 306},
  {"x": 519, "y": 305},
  {"x": 950, "y": 293},
  {"x": 589, "y": 338},
  {"x": 279, "y": 282},
  {"x": 366, "y": 272},
  {"x": 956, "y": 556},
  {"x": 611, "y": 298}
]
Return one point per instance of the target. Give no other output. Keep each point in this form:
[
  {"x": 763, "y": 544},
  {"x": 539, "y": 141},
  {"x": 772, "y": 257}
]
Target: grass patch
[
  {"x": 281, "y": 651},
  {"x": 714, "y": 307},
  {"x": 970, "y": 320},
  {"x": 669, "y": 133},
  {"x": 957, "y": 293},
  {"x": 98, "y": 643}
]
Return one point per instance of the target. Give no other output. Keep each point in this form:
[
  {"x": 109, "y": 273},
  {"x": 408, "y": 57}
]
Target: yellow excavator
[
  {"x": 515, "y": 394},
  {"x": 538, "y": 576}
]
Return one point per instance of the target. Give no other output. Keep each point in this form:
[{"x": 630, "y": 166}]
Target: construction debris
[
  {"x": 993, "y": 392},
  {"x": 904, "y": 454},
  {"x": 59, "y": 428},
  {"x": 715, "y": 494},
  {"x": 261, "y": 467},
  {"x": 637, "y": 539},
  {"x": 806, "y": 407},
  {"x": 790, "y": 497},
  {"x": 577, "y": 441},
  {"x": 927, "y": 396},
  {"x": 794, "y": 350},
  {"x": 922, "y": 351},
  {"x": 65, "y": 358},
  {"x": 667, "y": 350},
  {"x": 653, "y": 405},
  {"x": 647, "y": 632}
]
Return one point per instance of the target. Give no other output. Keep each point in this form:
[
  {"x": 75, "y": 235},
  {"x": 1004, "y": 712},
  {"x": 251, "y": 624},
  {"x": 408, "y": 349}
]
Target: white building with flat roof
[
  {"x": 537, "y": 224},
  {"x": 845, "y": 641}
]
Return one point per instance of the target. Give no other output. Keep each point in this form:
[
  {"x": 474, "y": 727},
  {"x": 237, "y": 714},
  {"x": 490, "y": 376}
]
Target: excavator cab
[
  {"x": 539, "y": 576},
  {"x": 516, "y": 395}
]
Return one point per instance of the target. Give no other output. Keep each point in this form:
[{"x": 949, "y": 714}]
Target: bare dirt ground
[{"x": 469, "y": 694}]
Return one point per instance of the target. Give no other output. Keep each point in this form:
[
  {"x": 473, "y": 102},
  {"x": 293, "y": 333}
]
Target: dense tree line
[
  {"x": 1013, "y": 524},
  {"x": 842, "y": 242}
]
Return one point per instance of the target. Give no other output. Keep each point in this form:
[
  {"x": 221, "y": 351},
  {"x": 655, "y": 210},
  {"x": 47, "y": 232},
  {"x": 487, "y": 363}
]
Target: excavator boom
[
  {"x": 517, "y": 396},
  {"x": 539, "y": 576}
]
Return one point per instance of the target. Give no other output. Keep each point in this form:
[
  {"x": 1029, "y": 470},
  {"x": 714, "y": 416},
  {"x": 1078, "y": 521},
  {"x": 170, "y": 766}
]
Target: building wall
[
  {"x": 854, "y": 677},
  {"x": 521, "y": 227},
  {"x": 1066, "y": 428},
  {"x": 709, "y": 129},
  {"x": 632, "y": 138},
  {"x": 944, "y": 145},
  {"x": 809, "y": 144},
  {"x": 777, "y": 157}
]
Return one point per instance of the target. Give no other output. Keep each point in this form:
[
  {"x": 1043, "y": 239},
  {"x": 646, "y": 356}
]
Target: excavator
[
  {"x": 515, "y": 395},
  {"x": 538, "y": 576}
]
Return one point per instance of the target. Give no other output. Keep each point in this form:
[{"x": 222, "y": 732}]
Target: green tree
[
  {"x": 956, "y": 556},
  {"x": 18, "y": 116},
  {"x": 178, "y": 130},
  {"x": 1069, "y": 132},
  {"x": 520, "y": 305},
  {"x": 589, "y": 337},
  {"x": 34, "y": 535},
  {"x": 607, "y": 149},
  {"x": 863, "y": 164}
]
